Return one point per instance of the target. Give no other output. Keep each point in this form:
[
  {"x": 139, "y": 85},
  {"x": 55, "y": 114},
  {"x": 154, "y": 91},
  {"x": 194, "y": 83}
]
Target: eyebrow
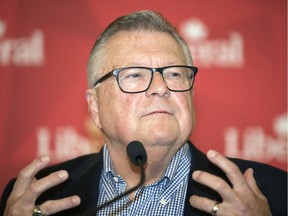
[{"x": 132, "y": 64}]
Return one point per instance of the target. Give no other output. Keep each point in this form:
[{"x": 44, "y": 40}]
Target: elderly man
[{"x": 140, "y": 79}]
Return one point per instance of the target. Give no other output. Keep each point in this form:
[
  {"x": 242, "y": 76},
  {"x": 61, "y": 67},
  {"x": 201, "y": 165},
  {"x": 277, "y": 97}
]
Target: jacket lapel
[
  {"x": 84, "y": 178},
  {"x": 199, "y": 161}
]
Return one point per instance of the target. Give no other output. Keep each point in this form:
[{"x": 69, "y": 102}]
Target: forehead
[{"x": 143, "y": 48}]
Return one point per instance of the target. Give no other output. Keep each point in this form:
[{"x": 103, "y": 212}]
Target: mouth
[{"x": 158, "y": 112}]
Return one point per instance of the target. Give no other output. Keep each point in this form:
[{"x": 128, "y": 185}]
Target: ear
[{"x": 92, "y": 101}]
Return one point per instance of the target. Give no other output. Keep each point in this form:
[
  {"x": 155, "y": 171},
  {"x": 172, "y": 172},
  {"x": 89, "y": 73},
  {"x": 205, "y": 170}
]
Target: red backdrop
[{"x": 240, "y": 91}]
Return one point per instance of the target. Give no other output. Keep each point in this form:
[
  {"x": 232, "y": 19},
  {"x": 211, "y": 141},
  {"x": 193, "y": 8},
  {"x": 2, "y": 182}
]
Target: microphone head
[{"x": 136, "y": 153}]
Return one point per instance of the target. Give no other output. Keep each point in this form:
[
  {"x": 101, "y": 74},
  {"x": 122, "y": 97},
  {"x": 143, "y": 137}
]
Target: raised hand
[
  {"x": 243, "y": 198},
  {"x": 27, "y": 189}
]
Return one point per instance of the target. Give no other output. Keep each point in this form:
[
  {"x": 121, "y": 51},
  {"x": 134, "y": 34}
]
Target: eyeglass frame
[{"x": 116, "y": 71}]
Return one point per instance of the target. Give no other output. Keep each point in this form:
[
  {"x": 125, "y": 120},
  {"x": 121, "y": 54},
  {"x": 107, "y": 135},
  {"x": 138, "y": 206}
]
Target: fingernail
[
  {"x": 192, "y": 199},
  {"x": 195, "y": 174},
  {"x": 45, "y": 158},
  {"x": 211, "y": 153},
  {"x": 76, "y": 200},
  {"x": 252, "y": 171},
  {"x": 63, "y": 174}
]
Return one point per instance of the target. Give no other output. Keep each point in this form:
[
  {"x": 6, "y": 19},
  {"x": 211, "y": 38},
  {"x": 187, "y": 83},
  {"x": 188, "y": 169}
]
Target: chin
[
  {"x": 161, "y": 133},
  {"x": 161, "y": 140}
]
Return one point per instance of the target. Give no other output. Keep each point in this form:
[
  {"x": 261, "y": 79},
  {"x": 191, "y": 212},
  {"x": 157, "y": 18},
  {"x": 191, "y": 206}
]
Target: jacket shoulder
[{"x": 265, "y": 171}]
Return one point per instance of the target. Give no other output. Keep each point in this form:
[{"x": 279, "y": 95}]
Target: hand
[
  {"x": 244, "y": 198},
  {"x": 27, "y": 189}
]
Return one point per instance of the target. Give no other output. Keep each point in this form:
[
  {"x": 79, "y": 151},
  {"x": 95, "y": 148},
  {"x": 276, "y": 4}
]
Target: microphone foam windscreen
[{"x": 136, "y": 151}]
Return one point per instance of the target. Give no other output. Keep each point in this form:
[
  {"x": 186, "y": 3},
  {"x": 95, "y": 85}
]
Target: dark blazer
[{"x": 85, "y": 172}]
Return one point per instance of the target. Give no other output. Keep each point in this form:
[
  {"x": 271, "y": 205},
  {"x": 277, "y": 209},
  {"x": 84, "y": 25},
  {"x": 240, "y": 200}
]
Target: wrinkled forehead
[{"x": 141, "y": 47}]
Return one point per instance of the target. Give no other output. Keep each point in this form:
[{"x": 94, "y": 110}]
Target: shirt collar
[
  {"x": 176, "y": 160},
  {"x": 169, "y": 173}
]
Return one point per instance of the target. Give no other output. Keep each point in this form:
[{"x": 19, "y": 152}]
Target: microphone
[{"x": 137, "y": 155}]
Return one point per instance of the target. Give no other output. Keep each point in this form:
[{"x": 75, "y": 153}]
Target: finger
[
  {"x": 37, "y": 187},
  {"x": 26, "y": 175},
  {"x": 248, "y": 175},
  {"x": 250, "y": 180},
  {"x": 203, "y": 204},
  {"x": 231, "y": 170},
  {"x": 215, "y": 183},
  {"x": 53, "y": 206}
]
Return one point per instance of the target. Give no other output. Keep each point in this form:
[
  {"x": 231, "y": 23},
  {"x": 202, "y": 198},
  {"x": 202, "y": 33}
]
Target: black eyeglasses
[{"x": 178, "y": 78}]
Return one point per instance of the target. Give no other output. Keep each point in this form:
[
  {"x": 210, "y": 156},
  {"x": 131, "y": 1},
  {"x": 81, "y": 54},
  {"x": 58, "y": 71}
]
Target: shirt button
[
  {"x": 115, "y": 179},
  {"x": 163, "y": 201}
]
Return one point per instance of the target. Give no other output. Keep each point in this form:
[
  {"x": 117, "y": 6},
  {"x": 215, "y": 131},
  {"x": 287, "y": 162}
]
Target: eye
[
  {"x": 133, "y": 73},
  {"x": 174, "y": 74}
]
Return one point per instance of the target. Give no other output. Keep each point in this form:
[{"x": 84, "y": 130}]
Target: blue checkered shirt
[{"x": 164, "y": 197}]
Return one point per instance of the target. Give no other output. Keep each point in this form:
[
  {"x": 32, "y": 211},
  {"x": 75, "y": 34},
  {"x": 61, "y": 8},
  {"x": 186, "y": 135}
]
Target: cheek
[
  {"x": 116, "y": 113},
  {"x": 187, "y": 112}
]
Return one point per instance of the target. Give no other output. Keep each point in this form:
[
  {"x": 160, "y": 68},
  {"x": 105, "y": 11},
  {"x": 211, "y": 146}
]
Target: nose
[{"x": 158, "y": 86}]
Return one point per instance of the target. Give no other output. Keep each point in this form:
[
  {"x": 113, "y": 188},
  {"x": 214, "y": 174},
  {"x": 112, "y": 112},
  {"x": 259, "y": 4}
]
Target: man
[{"x": 140, "y": 79}]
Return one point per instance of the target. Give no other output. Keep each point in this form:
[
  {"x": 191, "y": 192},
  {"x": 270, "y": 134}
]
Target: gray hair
[{"x": 142, "y": 20}]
